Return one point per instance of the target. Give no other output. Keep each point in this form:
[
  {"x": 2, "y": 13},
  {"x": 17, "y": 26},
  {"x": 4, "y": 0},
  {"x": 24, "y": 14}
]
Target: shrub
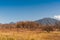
[{"x": 48, "y": 28}]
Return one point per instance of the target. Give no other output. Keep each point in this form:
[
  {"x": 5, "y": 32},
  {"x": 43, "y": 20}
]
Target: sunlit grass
[{"x": 29, "y": 35}]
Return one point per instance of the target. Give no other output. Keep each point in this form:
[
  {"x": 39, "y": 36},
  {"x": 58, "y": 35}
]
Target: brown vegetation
[
  {"x": 29, "y": 31},
  {"x": 29, "y": 25}
]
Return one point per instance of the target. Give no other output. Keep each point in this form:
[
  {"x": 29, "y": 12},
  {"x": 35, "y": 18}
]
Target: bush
[{"x": 48, "y": 29}]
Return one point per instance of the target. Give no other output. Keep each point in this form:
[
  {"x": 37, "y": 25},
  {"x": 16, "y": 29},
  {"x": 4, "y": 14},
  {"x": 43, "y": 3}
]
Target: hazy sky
[{"x": 22, "y": 10}]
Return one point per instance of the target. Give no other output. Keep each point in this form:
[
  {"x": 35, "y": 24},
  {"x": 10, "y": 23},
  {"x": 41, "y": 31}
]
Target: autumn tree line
[{"x": 29, "y": 25}]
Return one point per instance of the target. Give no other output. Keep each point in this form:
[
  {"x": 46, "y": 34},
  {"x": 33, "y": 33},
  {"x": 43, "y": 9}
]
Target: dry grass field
[{"x": 29, "y": 35}]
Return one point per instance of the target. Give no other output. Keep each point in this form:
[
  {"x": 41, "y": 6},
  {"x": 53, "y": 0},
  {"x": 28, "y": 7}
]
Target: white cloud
[{"x": 57, "y": 17}]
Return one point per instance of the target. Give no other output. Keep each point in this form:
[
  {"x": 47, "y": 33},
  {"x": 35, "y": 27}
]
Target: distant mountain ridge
[
  {"x": 45, "y": 24},
  {"x": 48, "y": 21}
]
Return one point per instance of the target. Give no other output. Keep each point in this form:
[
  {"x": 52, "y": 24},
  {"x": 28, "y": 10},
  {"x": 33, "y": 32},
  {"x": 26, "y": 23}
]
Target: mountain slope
[{"x": 47, "y": 21}]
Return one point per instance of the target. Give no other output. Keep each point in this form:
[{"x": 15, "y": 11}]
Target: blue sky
[{"x": 23, "y": 10}]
